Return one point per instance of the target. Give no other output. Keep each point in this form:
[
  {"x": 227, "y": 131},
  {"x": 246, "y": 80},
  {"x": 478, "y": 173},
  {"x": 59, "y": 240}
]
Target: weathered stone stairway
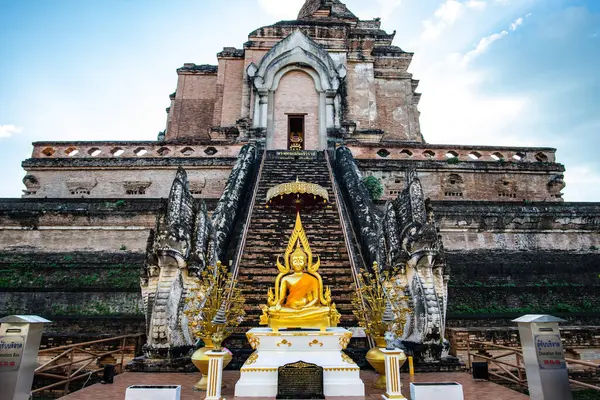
[{"x": 269, "y": 232}]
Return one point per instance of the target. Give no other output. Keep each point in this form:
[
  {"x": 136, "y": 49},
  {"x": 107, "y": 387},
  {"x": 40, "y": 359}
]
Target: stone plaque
[{"x": 300, "y": 380}]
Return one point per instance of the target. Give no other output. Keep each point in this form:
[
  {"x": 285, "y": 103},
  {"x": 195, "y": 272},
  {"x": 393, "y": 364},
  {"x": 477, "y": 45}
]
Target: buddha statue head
[{"x": 298, "y": 260}]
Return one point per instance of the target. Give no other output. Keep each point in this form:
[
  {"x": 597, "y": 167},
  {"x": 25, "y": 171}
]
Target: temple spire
[{"x": 325, "y": 9}]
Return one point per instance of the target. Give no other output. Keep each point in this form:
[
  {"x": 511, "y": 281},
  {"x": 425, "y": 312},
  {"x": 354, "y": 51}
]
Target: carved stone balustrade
[
  {"x": 145, "y": 149},
  {"x": 421, "y": 151}
]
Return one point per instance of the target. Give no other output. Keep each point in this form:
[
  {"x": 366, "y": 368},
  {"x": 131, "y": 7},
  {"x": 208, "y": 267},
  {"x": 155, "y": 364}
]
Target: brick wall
[
  {"x": 124, "y": 183},
  {"x": 193, "y": 106},
  {"x": 395, "y": 110},
  {"x": 362, "y": 102},
  {"x": 485, "y": 181},
  {"x": 232, "y": 91},
  {"x": 296, "y": 94}
]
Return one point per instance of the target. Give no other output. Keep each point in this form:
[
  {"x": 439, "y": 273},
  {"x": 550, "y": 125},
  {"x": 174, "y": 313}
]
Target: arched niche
[{"x": 297, "y": 52}]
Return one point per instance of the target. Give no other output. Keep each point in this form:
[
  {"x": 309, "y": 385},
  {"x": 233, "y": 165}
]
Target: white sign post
[
  {"x": 20, "y": 337},
  {"x": 547, "y": 375}
]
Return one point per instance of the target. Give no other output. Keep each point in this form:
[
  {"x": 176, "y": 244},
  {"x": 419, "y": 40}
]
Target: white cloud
[
  {"x": 482, "y": 46},
  {"x": 455, "y": 110},
  {"x": 479, "y": 5},
  {"x": 485, "y": 42},
  {"x": 287, "y": 9},
  {"x": 446, "y": 15},
  {"x": 583, "y": 182},
  {"x": 9, "y": 130},
  {"x": 388, "y": 6},
  {"x": 518, "y": 22}
]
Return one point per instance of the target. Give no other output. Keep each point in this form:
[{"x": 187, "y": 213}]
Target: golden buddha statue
[
  {"x": 298, "y": 299},
  {"x": 296, "y": 141}
]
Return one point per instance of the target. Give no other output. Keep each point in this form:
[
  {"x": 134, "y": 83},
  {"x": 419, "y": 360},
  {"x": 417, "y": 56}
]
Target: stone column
[
  {"x": 215, "y": 374},
  {"x": 269, "y": 118},
  {"x": 393, "y": 361},
  {"x": 323, "y": 121}
]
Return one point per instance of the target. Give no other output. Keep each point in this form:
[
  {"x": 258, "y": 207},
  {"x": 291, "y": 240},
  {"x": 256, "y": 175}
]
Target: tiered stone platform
[{"x": 472, "y": 390}]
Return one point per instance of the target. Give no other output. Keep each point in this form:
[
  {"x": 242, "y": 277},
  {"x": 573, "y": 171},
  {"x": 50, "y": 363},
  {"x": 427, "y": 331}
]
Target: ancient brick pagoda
[{"x": 325, "y": 98}]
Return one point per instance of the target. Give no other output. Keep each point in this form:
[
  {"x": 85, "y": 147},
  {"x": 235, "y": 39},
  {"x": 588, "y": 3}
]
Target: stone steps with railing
[
  {"x": 270, "y": 229},
  {"x": 268, "y": 235}
]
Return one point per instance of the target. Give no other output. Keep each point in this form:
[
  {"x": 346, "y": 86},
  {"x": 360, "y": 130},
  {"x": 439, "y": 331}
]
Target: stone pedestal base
[{"x": 258, "y": 376}]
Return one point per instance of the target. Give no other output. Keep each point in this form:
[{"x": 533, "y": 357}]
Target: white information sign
[
  {"x": 11, "y": 351},
  {"x": 549, "y": 352}
]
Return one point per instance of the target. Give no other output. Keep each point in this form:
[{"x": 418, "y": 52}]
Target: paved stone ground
[{"x": 472, "y": 390}]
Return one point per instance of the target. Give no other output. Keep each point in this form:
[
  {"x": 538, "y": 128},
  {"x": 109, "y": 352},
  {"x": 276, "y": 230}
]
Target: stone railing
[
  {"x": 88, "y": 150},
  {"x": 457, "y": 153}
]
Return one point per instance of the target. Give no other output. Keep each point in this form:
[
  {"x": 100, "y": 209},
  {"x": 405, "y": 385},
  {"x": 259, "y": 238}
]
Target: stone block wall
[
  {"x": 395, "y": 110},
  {"x": 507, "y": 260},
  {"x": 230, "y": 83},
  {"x": 573, "y": 337},
  {"x": 462, "y": 178},
  {"x": 362, "y": 97},
  {"x": 76, "y": 262},
  {"x": 148, "y": 175},
  {"x": 194, "y": 104}
]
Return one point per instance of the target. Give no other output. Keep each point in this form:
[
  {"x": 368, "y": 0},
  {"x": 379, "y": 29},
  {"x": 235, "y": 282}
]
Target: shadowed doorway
[{"x": 296, "y": 132}]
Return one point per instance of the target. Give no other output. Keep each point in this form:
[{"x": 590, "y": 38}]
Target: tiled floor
[{"x": 472, "y": 390}]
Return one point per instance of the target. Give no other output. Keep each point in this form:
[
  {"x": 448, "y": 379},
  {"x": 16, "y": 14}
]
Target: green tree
[{"x": 374, "y": 186}]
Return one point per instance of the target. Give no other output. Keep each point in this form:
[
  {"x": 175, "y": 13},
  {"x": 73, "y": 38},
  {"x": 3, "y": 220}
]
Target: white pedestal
[
  {"x": 149, "y": 392},
  {"x": 215, "y": 374},
  {"x": 436, "y": 391},
  {"x": 258, "y": 378},
  {"x": 393, "y": 386}
]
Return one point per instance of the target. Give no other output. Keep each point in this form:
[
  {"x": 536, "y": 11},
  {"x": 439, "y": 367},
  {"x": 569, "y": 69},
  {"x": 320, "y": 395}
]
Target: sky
[{"x": 492, "y": 72}]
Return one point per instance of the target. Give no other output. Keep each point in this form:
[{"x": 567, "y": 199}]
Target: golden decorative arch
[{"x": 297, "y": 187}]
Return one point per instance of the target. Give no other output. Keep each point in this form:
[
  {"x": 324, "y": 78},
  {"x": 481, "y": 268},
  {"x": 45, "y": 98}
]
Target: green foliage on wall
[
  {"x": 374, "y": 186},
  {"x": 119, "y": 277}
]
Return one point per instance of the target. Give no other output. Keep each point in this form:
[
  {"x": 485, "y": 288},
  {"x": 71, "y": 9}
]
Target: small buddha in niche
[
  {"x": 298, "y": 300},
  {"x": 296, "y": 141}
]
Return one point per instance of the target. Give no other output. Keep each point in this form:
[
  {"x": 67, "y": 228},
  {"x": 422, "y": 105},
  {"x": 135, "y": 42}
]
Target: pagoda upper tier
[
  {"x": 323, "y": 80},
  {"x": 325, "y": 9},
  {"x": 341, "y": 74}
]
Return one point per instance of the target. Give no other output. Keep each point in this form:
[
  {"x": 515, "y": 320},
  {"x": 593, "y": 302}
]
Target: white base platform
[
  {"x": 434, "y": 391},
  {"x": 258, "y": 378},
  {"x": 148, "y": 392}
]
